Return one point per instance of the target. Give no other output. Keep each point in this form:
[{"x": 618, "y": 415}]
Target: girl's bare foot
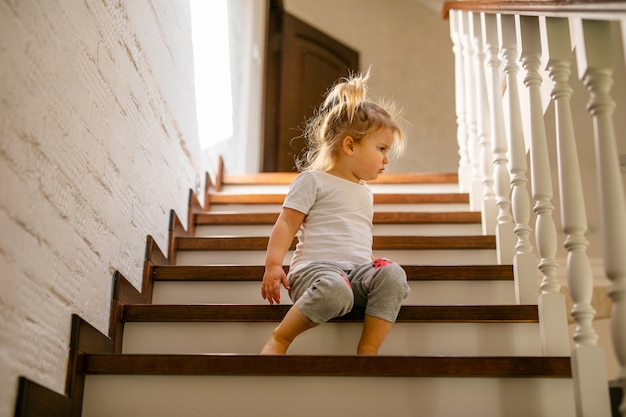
[{"x": 291, "y": 326}]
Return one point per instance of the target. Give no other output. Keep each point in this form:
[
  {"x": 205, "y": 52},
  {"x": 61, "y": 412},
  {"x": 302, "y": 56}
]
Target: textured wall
[{"x": 98, "y": 142}]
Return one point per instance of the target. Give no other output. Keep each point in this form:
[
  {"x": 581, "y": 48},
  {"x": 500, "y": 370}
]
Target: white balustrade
[{"x": 489, "y": 115}]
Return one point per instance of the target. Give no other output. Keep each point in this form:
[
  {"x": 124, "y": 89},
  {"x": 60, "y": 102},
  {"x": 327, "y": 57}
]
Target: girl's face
[{"x": 370, "y": 154}]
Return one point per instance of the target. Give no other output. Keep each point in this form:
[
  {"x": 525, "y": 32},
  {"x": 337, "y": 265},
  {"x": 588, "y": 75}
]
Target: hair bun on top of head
[
  {"x": 348, "y": 94},
  {"x": 335, "y": 119}
]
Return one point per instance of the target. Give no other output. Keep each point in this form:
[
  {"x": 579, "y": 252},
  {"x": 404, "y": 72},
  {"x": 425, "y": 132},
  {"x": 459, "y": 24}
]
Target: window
[{"x": 209, "y": 26}]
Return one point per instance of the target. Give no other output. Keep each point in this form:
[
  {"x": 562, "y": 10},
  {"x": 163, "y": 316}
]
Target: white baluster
[
  {"x": 470, "y": 112},
  {"x": 524, "y": 262},
  {"x": 595, "y": 65},
  {"x": 588, "y": 362},
  {"x": 464, "y": 172},
  {"x": 545, "y": 230},
  {"x": 552, "y": 312},
  {"x": 502, "y": 181},
  {"x": 487, "y": 194},
  {"x": 573, "y": 214}
]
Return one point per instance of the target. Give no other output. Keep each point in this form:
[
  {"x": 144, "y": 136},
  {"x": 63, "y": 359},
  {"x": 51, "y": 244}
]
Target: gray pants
[{"x": 323, "y": 290}]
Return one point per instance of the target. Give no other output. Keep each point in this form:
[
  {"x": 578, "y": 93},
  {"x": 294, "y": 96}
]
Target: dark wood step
[
  {"x": 391, "y": 198},
  {"x": 283, "y": 178},
  {"x": 275, "y": 313},
  {"x": 231, "y": 218},
  {"x": 316, "y": 365},
  {"x": 255, "y": 272},
  {"x": 380, "y": 243}
]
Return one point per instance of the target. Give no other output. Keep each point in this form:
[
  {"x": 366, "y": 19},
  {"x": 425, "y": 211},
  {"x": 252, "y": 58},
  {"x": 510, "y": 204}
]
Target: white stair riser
[
  {"x": 406, "y": 257},
  {"x": 421, "y": 339},
  {"x": 468, "y": 229},
  {"x": 249, "y": 292},
  {"x": 245, "y": 396},
  {"x": 275, "y": 208}
]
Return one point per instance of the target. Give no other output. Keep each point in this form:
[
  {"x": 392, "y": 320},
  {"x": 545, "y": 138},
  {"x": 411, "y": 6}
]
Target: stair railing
[{"x": 491, "y": 114}]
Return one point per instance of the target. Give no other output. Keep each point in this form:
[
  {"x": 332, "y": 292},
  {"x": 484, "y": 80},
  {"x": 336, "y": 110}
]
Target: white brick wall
[{"x": 97, "y": 143}]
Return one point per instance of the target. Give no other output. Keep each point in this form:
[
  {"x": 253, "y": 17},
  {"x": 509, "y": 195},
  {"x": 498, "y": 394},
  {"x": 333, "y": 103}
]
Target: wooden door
[{"x": 302, "y": 63}]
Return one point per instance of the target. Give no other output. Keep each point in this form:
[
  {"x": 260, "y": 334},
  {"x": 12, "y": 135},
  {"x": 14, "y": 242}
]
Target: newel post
[{"x": 595, "y": 66}]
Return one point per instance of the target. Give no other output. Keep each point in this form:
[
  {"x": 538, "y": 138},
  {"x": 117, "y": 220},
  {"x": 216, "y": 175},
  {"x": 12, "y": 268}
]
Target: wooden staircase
[{"x": 187, "y": 345}]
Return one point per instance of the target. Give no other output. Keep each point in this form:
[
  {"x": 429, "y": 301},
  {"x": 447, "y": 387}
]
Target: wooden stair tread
[
  {"x": 255, "y": 272},
  {"x": 379, "y": 243},
  {"x": 321, "y": 365},
  {"x": 391, "y": 198},
  {"x": 231, "y": 218},
  {"x": 282, "y": 178},
  {"x": 275, "y": 313}
]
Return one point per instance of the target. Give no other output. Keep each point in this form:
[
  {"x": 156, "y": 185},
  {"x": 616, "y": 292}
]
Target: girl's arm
[{"x": 283, "y": 232}]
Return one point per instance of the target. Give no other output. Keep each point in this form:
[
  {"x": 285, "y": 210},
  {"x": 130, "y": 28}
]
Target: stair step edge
[
  {"x": 192, "y": 243},
  {"x": 255, "y": 272},
  {"x": 269, "y": 218},
  {"x": 321, "y": 365},
  {"x": 390, "y": 198}
]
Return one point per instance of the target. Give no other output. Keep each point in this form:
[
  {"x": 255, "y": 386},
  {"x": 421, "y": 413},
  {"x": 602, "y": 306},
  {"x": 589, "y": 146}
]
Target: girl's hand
[
  {"x": 282, "y": 235},
  {"x": 273, "y": 277}
]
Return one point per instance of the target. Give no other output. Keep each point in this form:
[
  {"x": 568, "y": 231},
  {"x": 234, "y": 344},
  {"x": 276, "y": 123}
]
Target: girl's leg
[
  {"x": 291, "y": 326},
  {"x": 374, "y": 333},
  {"x": 321, "y": 291},
  {"x": 380, "y": 286}
]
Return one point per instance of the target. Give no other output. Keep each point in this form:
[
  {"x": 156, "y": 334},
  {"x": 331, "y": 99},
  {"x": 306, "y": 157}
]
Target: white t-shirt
[{"x": 338, "y": 222}]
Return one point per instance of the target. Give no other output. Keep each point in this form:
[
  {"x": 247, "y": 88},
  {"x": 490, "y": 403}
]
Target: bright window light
[{"x": 209, "y": 27}]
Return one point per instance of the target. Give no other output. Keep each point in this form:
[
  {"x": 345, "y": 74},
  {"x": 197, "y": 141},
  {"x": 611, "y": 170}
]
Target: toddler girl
[{"x": 330, "y": 207}]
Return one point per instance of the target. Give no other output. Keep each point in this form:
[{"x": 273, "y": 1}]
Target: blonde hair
[{"x": 346, "y": 111}]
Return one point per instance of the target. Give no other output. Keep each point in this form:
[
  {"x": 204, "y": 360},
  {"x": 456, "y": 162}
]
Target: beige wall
[
  {"x": 98, "y": 142},
  {"x": 409, "y": 50}
]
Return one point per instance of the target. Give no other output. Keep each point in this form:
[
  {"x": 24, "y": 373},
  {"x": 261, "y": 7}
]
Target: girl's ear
[{"x": 348, "y": 145}]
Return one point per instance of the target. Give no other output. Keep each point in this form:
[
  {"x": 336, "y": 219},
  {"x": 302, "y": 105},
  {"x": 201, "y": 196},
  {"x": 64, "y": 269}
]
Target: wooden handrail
[{"x": 535, "y": 6}]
